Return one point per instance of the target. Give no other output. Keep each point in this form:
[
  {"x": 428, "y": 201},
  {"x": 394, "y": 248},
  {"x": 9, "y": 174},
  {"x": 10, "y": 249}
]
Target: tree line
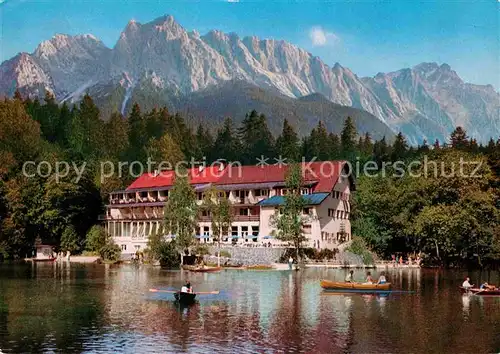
[{"x": 43, "y": 208}]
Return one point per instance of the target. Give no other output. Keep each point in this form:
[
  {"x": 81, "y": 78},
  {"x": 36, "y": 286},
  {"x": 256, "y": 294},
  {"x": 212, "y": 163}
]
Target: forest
[{"x": 452, "y": 218}]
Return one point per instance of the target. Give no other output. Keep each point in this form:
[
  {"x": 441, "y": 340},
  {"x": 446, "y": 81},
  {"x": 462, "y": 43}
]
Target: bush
[
  {"x": 326, "y": 254},
  {"x": 358, "y": 246},
  {"x": 69, "y": 240},
  {"x": 110, "y": 252},
  {"x": 224, "y": 253},
  {"x": 201, "y": 250},
  {"x": 162, "y": 251},
  {"x": 96, "y": 238}
]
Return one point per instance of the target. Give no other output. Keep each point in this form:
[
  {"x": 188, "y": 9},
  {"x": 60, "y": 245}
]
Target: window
[
  {"x": 205, "y": 213},
  {"x": 257, "y": 192},
  {"x": 306, "y": 211},
  {"x": 234, "y": 230},
  {"x": 347, "y": 215},
  {"x": 338, "y": 214},
  {"x": 244, "y": 231},
  {"x": 124, "y": 247},
  {"x": 331, "y": 213},
  {"x": 137, "y": 247},
  {"x": 206, "y": 231},
  {"x": 307, "y": 229},
  {"x": 197, "y": 232},
  {"x": 341, "y": 214},
  {"x": 144, "y": 194},
  {"x": 200, "y": 195},
  {"x": 255, "y": 230},
  {"x": 244, "y": 212},
  {"x": 304, "y": 191}
]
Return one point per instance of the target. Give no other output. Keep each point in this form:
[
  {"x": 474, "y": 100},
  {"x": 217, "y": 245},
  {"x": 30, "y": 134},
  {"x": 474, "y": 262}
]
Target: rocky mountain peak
[{"x": 160, "y": 58}]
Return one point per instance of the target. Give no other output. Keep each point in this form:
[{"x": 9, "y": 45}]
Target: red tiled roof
[
  {"x": 210, "y": 174},
  {"x": 326, "y": 173}
]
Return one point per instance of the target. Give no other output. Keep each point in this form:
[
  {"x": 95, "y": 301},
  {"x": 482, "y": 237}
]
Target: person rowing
[
  {"x": 381, "y": 278},
  {"x": 349, "y": 277},
  {"x": 466, "y": 284},
  {"x": 187, "y": 288}
]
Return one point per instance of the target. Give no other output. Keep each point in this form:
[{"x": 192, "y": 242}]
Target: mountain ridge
[{"x": 161, "y": 58}]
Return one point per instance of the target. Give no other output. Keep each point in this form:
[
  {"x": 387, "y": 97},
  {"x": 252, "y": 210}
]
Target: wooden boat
[
  {"x": 480, "y": 292},
  {"x": 185, "y": 298},
  {"x": 206, "y": 270},
  {"x": 343, "y": 286},
  {"x": 38, "y": 260}
]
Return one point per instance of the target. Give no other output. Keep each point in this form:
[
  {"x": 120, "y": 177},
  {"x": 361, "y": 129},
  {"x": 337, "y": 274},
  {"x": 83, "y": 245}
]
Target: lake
[{"x": 103, "y": 308}]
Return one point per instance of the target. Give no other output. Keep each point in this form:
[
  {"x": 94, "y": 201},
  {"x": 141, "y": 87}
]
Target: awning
[
  {"x": 267, "y": 237},
  {"x": 234, "y": 236},
  {"x": 202, "y": 236}
]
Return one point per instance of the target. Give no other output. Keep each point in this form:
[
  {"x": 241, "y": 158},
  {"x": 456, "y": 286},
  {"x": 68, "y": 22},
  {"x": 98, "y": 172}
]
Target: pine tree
[
  {"x": 92, "y": 127},
  {"x": 18, "y": 96},
  {"x": 204, "y": 144},
  {"x": 399, "y": 148},
  {"x": 321, "y": 143},
  {"x": 287, "y": 144},
  {"x": 335, "y": 152},
  {"x": 49, "y": 118},
  {"x": 348, "y": 139},
  {"x": 116, "y": 136},
  {"x": 64, "y": 129},
  {"x": 153, "y": 124},
  {"x": 424, "y": 147},
  {"x": 436, "y": 145},
  {"x": 136, "y": 135},
  {"x": 164, "y": 150},
  {"x": 459, "y": 139},
  {"x": 256, "y": 138},
  {"x": 227, "y": 145},
  {"x": 381, "y": 151}
]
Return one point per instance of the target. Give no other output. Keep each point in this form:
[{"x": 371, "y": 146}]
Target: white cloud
[{"x": 319, "y": 37}]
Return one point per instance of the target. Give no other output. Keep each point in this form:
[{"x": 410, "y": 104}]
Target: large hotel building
[{"x": 255, "y": 193}]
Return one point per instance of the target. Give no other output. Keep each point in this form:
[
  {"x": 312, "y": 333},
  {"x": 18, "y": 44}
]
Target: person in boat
[
  {"x": 466, "y": 284},
  {"x": 381, "y": 278},
  {"x": 486, "y": 286},
  {"x": 187, "y": 288},
  {"x": 349, "y": 277},
  {"x": 369, "y": 279}
]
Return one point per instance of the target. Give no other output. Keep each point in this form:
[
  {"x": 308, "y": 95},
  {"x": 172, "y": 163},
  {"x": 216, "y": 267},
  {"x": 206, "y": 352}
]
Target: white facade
[{"x": 133, "y": 215}]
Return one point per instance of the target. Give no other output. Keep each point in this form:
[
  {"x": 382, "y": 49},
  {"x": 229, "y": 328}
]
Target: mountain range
[{"x": 218, "y": 74}]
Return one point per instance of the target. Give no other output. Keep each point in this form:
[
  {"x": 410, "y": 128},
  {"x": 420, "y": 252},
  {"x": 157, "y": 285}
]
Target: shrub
[
  {"x": 110, "y": 251},
  {"x": 358, "y": 246},
  {"x": 96, "y": 238},
  {"x": 162, "y": 251},
  {"x": 201, "y": 250},
  {"x": 224, "y": 253},
  {"x": 69, "y": 240}
]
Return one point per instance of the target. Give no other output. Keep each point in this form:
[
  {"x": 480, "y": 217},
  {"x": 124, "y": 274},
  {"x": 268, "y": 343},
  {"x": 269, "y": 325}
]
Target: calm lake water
[{"x": 101, "y": 308}]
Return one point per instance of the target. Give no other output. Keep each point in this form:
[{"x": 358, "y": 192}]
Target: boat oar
[{"x": 175, "y": 291}]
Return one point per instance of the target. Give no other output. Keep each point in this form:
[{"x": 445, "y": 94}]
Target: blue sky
[{"x": 366, "y": 36}]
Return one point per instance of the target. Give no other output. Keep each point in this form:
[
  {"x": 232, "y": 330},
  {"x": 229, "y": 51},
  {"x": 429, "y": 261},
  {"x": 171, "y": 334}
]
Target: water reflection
[{"x": 107, "y": 308}]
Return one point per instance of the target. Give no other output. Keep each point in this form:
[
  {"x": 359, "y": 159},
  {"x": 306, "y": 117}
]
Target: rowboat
[
  {"x": 343, "y": 286},
  {"x": 205, "y": 270},
  {"x": 185, "y": 298},
  {"x": 480, "y": 292}
]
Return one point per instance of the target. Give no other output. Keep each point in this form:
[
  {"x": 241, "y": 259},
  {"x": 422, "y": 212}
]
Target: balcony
[{"x": 246, "y": 218}]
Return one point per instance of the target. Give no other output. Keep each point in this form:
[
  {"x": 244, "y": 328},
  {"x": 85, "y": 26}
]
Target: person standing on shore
[{"x": 290, "y": 263}]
